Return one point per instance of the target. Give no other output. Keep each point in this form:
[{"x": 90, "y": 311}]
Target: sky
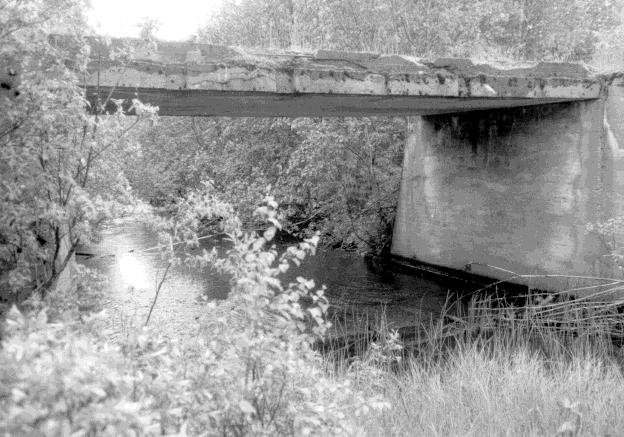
[{"x": 178, "y": 18}]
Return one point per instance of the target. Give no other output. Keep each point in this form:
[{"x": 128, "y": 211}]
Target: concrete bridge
[{"x": 504, "y": 166}]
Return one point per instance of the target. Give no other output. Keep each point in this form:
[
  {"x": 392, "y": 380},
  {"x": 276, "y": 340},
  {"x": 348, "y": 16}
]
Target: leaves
[
  {"x": 339, "y": 177},
  {"x": 61, "y": 169},
  {"x": 534, "y": 30},
  {"x": 248, "y": 369},
  {"x": 246, "y": 407}
]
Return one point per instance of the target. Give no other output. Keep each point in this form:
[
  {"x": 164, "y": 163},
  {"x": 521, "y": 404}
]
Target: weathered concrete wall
[
  {"x": 207, "y": 80},
  {"x": 614, "y": 138},
  {"x": 512, "y": 188}
]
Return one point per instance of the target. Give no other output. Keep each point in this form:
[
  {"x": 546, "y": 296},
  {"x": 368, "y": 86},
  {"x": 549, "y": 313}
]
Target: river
[{"x": 357, "y": 289}]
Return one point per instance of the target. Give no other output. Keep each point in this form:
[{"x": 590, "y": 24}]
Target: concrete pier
[{"x": 513, "y": 188}]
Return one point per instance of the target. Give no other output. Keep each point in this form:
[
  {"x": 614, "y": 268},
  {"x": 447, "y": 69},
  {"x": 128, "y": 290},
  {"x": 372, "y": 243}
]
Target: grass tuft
[{"x": 550, "y": 367}]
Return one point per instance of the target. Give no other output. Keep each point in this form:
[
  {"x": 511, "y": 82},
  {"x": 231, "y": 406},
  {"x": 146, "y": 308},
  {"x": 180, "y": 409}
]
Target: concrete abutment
[{"x": 513, "y": 190}]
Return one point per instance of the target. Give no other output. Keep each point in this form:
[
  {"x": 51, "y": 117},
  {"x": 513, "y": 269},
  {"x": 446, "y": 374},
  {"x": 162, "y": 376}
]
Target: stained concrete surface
[
  {"x": 208, "y": 80},
  {"x": 513, "y": 188}
]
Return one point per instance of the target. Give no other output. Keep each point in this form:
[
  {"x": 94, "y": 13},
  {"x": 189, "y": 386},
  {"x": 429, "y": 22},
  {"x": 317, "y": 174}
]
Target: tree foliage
[
  {"x": 60, "y": 172},
  {"x": 518, "y": 29},
  {"x": 336, "y": 176}
]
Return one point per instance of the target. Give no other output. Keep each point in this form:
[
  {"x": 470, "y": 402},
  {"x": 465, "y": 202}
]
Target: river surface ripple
[{"x": 356, "y": 288}]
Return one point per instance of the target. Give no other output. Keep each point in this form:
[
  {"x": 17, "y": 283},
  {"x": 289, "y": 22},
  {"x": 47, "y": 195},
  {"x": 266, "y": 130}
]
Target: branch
[{"x": 162, "y": 280}]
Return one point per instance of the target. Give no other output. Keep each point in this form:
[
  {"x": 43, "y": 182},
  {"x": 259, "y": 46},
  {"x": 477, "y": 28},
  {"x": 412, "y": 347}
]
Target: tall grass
[
  {"x": 501, "y": 392},
  {"x": 547, "y": 368}
]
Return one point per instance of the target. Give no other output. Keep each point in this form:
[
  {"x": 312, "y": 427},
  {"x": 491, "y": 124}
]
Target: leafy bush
[
  {"x": 57, "y": 381},
  {"x": 248, "y": 368},
  {"x": 337, "y": 176}
]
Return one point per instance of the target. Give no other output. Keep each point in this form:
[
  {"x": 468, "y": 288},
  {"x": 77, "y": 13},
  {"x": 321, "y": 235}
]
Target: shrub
[{"x": 247, "y": 369}]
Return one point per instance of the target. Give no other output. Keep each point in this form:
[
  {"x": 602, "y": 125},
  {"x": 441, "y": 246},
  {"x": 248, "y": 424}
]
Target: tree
[
  {"x": 253, "y": 23},
  {"x": 337, "y": 176},
  {"x": 60, "y": 169},
  {"x": 548, "y": 30},
  {"x": 518, "y": 29}
]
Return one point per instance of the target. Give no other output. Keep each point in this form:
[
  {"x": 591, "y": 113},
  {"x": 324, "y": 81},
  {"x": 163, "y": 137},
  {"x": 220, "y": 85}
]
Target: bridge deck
[{"x": 207, "y": 80}]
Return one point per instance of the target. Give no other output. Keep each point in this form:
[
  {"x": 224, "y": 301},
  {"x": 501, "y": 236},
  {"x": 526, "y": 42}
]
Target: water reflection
[
  {"x": 133, "y": 271},
  {"x": 354, "y": 286}
]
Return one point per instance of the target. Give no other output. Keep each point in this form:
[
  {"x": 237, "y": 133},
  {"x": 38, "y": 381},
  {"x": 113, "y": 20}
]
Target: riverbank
[
  {"x": 247, "y": 364},
  {"x": 505, "y": 382}
]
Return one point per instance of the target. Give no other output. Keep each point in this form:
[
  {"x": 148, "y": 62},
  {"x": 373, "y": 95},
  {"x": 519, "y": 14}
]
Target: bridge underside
[{"x": 263, "y": 104}]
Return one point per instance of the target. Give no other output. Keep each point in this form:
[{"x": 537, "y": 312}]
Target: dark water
[{"x": 356, "y": 288}]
